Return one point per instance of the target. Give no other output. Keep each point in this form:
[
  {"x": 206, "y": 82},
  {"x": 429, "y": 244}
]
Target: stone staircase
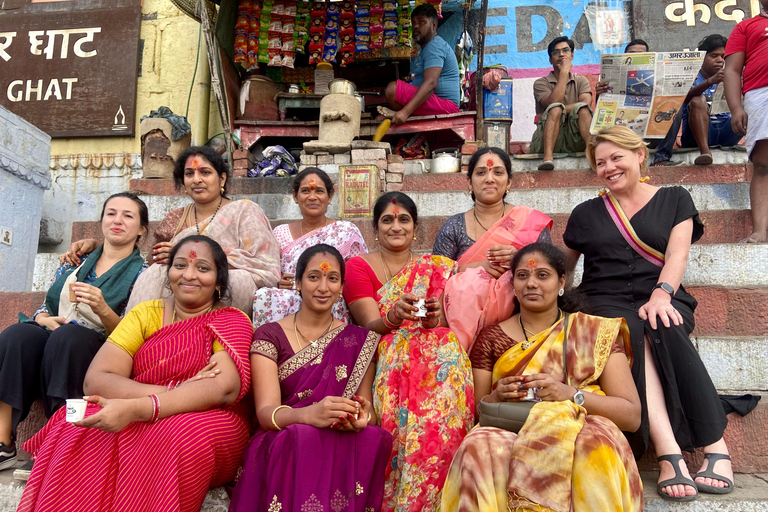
[{"x": 730, "y": 280}]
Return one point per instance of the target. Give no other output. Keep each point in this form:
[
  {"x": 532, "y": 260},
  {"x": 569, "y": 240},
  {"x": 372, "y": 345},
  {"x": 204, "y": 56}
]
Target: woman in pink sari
[
  {"x": 165, "y": 420},
  {"x": 483, "y": 241},
  {"x": 318, "y": 447},
  {"x": 313, "y": 192}
]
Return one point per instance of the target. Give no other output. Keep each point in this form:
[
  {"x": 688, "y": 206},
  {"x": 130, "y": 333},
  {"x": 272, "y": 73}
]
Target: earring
[
  {"x": 222, "y": 190},
  {"x": 561, "y": 292},
  {"x": 414, "y": 236},
  {"x": 377, "y": 238}
]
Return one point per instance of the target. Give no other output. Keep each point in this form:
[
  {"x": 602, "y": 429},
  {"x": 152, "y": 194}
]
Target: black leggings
[{"x": 38, "y": 363}]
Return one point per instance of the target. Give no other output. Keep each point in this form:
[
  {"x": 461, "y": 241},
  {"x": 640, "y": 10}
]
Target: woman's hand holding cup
[
  {"x": 286, "y": 282},
  {"x": 161, "y": 252},
  {"x": 548, "y": 388},
  {"x": 509, "y": 389},
  {"x": 90, "y": 296}
]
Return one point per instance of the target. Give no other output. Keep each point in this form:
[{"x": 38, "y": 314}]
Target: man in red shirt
[{"x": 747, "y": 53}]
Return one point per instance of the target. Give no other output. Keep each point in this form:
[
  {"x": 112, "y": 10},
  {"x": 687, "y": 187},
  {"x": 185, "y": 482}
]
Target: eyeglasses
[{"x": 564, "y": 51}]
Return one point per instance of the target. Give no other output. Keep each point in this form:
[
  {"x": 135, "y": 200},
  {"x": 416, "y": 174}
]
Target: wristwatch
[
  {"x": 667, "y": 288},
  {"x": 578, "y": 398}
]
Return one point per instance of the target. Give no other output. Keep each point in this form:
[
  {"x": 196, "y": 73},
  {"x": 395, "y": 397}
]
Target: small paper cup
[
  {"x": 422, "y": 305},
  {"x": 75, "y": 409},
  {"x": 72, "y": 296}
]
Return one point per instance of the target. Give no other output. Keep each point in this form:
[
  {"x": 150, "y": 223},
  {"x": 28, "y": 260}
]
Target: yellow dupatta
[{"x": 543, "y": 454}]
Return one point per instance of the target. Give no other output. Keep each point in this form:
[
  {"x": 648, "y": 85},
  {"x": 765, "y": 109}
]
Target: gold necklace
[
  {"x": 221, "y": 199},
  {"x": 298, "y": 333},
  {"x": 384, "y": 265},
  {"x": 301, "y": 225},
  {"x": 173, "y": 318},
  {"x": 527, "y": 343},
  {"x": 474, "y": 212}
]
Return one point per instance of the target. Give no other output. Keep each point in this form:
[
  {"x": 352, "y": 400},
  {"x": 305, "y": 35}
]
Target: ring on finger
[{"x": 521, "y": 387}]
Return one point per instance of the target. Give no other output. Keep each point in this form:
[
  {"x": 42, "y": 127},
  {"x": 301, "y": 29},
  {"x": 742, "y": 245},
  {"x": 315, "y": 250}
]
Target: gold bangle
[
  {"x": 273, "y": 415},
  {"x": 369, "y": 417}
]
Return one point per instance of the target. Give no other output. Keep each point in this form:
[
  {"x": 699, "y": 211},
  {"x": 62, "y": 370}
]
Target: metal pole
[{"x": 479, "y": 74}]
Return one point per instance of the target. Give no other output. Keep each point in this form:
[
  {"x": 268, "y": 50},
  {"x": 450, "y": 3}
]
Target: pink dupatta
[{"x": 473, "y": 299}]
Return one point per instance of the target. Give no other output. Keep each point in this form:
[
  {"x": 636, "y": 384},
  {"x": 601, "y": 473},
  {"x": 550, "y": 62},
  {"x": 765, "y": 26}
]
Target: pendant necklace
[
  {"x": 527, "y": 343},
  {"x": 474, "y": 212},
  {"x": 214, "y": 215},
  {"x": 387, "y": 274},
  {"x": 298, "y": 333}
]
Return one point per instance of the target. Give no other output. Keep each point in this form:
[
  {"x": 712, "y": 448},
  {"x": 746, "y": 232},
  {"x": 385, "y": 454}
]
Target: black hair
[
  {"x": 219, "y": 259},
  {"x": 558, "y": 40},
  {"x": 484, "y": 151},
  {"x": 637, "y": 41},
  {"x": 712, "y": 42},
  {"x": 397, "y": 198},
  {"x": 572, "y": 300},
  {"x": 301, "y": 265},
  {"x": 143, "y": 211},
  {"x": 312, "y": 170},
  {"x": 425, "y": 10},
  {"x": 210, "y": 154}
]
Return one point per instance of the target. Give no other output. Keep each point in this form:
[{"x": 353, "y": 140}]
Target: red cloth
[
  {"x": 433, "y": 106},
  {"x": 360, "y": 281},
  {"x": 168, "y": 465},
  {"x": 751, "y": 37}
]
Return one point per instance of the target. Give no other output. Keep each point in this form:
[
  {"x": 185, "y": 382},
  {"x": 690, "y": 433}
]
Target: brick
[
  {"x": 308, "y": 159},
  {"x": 394, "y": 178},
  {"x": 465, "y": 169},
  {"x": 381, "y": 164},
  {"x": 241, "y": 172},
  {"x": 396, "y": 168},
  {"x": 325, "y": 159},
  {"x": 382, "y": 174},
  {"x": 342, "y": 159},
  {"x": 395, "y": 159},
  {"x": 240, "y": 153},
  {"x": 394, "y": 186},
  {"x": 329, "y": 168},
  {"x": 465, "y": 159},
  {"x": 469, "y": 149},
  {"x": 367, "y": 156}
]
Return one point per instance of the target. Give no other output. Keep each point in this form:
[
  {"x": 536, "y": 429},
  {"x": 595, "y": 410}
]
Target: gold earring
[
  {"x": 414, "y": 236},
  {"x": 222, "y": 190},
  {"x": 377, "y": 238}
]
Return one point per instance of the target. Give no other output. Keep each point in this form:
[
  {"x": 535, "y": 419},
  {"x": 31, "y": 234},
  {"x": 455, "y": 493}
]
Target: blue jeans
[{"x": 720, "y": 134}]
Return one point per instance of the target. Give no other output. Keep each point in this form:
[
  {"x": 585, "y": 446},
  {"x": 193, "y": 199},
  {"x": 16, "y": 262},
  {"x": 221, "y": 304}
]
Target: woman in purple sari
[{"x": 318, "y": 447}]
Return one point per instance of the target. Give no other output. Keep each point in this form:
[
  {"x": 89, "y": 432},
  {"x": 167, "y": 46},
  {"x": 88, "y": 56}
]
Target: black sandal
[
  {"x": 710, "y": 473},
  {"x": 678, "y": 479}
]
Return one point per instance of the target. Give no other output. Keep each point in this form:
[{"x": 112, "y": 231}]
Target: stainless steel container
[
  {"x": 445, "y": 161},
  {"x": 341, "y": 86}
]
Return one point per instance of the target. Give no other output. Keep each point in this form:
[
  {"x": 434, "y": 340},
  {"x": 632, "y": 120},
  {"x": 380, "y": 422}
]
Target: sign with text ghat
[{"x": 71, "y": 71}]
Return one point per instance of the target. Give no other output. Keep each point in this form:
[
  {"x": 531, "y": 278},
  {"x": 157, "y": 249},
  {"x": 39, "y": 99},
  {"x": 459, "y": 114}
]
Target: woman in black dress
[{"x": 635, "y": 240}]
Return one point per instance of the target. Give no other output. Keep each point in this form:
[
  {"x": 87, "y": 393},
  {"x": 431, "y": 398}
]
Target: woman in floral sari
[
  {"x": 165, "y": 420},
  {"x": 239, "y": 227},
  {"x": 423, "y": 387},
  {"x": 570, "y": 454},
  {"x": 313, "y": 192},
  {"x": 483, "y": 241},
  {"x": 317, "y": 447}
]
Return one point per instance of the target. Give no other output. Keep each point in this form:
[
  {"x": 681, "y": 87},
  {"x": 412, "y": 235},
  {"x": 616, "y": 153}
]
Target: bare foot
[
  {"x": 667, "y": 471},
  {"x": 755, "y": 238},
  {"x": 387, "y": 112},
  {"x": 722, "y": 467}
]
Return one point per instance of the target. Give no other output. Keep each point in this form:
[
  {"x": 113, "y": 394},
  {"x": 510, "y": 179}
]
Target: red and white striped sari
[{"x": 168, "y": 465}]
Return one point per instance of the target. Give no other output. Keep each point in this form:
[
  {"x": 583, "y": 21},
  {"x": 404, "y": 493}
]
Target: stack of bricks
[
  {"x": 324, "y": 161},
  {"x": 395, "y": 171},
  {"x": 467, "y": 150},
  {"x": 241, "y": 162}
]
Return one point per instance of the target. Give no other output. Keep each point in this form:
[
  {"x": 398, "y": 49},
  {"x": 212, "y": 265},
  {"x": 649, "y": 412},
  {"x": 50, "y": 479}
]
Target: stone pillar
[{"x": 24, "y": 157}]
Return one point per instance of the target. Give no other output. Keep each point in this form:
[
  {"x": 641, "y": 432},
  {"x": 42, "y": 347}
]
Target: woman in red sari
[{"x": 165, "y": 419}]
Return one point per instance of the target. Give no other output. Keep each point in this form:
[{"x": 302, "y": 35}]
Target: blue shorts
[{"x": 720, "y": 134}]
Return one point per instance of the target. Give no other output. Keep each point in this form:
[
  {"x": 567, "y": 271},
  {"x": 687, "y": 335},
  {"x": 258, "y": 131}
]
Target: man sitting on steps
[
  {"x": 562, "y": 106},
  {"x": 435, "y": 86}
]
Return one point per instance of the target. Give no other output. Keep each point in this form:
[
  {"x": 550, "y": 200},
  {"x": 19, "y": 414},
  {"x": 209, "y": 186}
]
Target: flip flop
[
  {"x": 678, "y": 479},
  {"x": 703, "y": 160},
  {"x": 710, "y": 473},
  {"x": 547, "y": 165}
]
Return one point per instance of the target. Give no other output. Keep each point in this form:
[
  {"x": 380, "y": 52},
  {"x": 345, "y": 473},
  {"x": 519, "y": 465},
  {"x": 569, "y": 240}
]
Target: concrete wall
[
  {"x": 24, "y": 153},
  {"x": 85, "y": 170}
]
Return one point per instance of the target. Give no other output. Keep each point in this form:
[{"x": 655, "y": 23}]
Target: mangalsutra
[
  {"x": 173, "y": 318},
  {"x": 214, "y": 215},
  {"x": 474, "y": 212},
  {"x": 298, "y": 333},
  {"x": 527, "y": 343},
  {"x": 387, "y": 274}
]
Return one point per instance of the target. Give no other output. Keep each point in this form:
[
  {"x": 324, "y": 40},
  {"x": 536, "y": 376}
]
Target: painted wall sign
[
  {"x": 669, "y": 24},
  {"x": 70, "y": 68}
]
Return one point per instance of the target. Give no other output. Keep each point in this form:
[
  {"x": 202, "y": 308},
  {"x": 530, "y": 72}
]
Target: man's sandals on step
[
  {"x": 678, "y": 479},
  {"x": 710, "y": 473}
]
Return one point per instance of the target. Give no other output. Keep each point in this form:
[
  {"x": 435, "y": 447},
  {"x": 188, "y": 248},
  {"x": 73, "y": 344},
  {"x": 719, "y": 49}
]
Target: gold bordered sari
[{"x": 562, "y": 459}]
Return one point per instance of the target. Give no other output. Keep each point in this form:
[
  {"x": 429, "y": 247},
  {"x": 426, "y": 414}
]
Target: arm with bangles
[
  {"x": 365, "y": 311},
  {"x": 124, "y": 400},
  {"x": 330, "y": 412}
]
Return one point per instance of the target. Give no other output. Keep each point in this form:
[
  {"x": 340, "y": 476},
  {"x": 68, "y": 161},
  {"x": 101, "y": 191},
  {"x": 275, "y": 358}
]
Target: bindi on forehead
[
  {"x": 532, "y": 263},
  {"x": 489, "y": 163},
  {"x": 312, "y": 184},
  {"x": 325, "y": 267}
]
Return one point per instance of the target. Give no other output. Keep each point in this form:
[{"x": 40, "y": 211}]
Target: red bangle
[{"x": 155, "y": 409}]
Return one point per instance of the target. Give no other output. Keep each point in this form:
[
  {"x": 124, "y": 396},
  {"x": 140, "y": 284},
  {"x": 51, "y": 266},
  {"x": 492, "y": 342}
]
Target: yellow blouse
[{"x": 140, "y": 323}]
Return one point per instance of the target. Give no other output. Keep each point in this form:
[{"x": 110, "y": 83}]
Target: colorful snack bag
[
  {"x": 315, "y": 53},
  {"x": 290, "y": 9},
  {"x": 390, "y": 38},
  {"x": 276, "y": 24},
  {"x": 274, "y": 58},
  {"x": 329, "y": 55},
  {"x": 245, "y": 7},
  {"x": 288, "y": 26},
  {"x": 348, "y": 37},
  {"x": 288, "y": 59},
  {"x": 347, "y": 55},
  {"x": 275, "y": 41},
  {"x": 243, "y": 23},
  {"x": 278, "y": 9},
  {"x": 316, "y": 37}
]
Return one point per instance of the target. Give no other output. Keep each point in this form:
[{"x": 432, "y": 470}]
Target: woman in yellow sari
[{"x": 570, "y": 454}]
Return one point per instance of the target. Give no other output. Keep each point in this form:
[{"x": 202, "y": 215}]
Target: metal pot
[
  {"x": 361, "y": 99},
  {"x": 341, "y": 86},
  {"x": 446, "y": 160}
]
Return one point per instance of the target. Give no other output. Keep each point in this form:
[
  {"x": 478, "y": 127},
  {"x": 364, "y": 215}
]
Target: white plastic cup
[
  {"x": 75, "y": 409},
  {"x": 422, "y": 305}
]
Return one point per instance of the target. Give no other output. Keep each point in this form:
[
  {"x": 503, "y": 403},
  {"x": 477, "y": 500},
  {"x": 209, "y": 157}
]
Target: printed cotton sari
[
  {"x": 562, "y": 459},
  {"x": 473, "y": 299},
  {"x": 242, "y": 230},
  {"x": 168, "y": 465},
  {"x": 273, "y": 304},
  {"x": 423, "y": 392},
  {"x": 303, "y": 468}
]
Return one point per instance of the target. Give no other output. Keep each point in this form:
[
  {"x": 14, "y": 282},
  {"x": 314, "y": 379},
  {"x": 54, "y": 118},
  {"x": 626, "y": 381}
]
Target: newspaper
[
  {"x": 646, "y": 90},
  {"x": 719, "y": 105}
]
